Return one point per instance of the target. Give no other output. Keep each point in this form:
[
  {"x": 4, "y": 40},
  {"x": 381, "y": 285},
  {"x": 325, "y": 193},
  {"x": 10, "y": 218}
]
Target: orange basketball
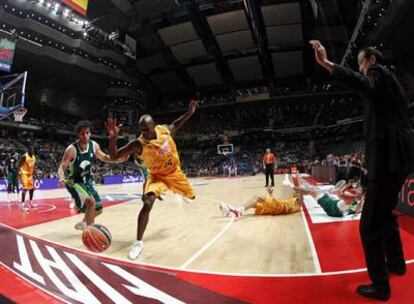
[{"x": 96, "y": 238}]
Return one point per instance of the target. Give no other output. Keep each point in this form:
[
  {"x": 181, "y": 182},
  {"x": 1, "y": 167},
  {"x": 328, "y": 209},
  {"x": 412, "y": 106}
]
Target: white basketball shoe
[
  {"x": 136, "y": 250},
  {"x": 80, "y": 226}
]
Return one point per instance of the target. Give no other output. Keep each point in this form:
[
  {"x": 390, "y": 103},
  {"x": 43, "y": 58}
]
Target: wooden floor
[{"x": 197, "y": 236}]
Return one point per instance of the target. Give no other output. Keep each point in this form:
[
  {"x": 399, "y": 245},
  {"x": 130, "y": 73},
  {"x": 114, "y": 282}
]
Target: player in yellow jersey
[
  {"x": 27, "y": 169},
  {"x": 157, "y": 149},
  {"x": 263, "y": 205}
]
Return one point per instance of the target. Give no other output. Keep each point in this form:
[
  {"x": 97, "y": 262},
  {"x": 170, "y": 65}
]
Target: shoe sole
[{"x": 134, "y": 259}]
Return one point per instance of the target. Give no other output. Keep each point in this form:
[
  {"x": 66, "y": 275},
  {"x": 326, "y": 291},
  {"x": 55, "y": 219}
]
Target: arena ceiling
[
  {"x": 207, "y": 46},
  {"x": 184, "y": 47}
]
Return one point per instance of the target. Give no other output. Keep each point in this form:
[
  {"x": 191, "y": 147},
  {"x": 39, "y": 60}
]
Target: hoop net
[{"x": 19, "y": 114}]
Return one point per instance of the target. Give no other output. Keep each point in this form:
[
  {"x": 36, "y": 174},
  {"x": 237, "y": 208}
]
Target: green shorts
[
  {"x": 80, "y": 192},
  {"x": 12, "y": 178},
  {"x": 330, "y": 205}
]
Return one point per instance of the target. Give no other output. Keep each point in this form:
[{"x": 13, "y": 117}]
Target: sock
[
  {"x": 141, "y": 243},
  {"x": 342, "y": 206}
]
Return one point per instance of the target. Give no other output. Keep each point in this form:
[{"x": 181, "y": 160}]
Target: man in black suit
[{"x": 389, "y": 154}]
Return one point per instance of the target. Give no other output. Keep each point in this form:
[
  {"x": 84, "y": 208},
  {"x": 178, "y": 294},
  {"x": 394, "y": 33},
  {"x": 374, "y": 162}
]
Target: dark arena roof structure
[{"x": 195, "y": 48}]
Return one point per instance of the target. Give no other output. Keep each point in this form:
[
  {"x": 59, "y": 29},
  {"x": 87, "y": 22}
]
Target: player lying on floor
[
  {"x": 263, "y": 205},
  {"x": 341, "y": 200}
]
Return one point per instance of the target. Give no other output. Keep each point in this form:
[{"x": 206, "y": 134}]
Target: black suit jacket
[{"x": 389, "y": 137}]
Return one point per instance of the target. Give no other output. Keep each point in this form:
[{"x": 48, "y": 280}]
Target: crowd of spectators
[
  {"x": 48, "y": 151},
  {"x": 195, "y": 162}
]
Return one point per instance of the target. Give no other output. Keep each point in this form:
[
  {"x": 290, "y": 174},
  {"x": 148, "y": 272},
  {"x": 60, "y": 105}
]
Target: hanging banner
[{"x": 81, "y": 6}]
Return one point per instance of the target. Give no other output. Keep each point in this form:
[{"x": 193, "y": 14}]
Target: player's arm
[
  {"x": 68, "y": 156},
  {"x": 22, "y": 160},
  {"x": 102, "y": 156},
  {"x": 179, "y": 122},
  {"x": 131, "y": 148}
]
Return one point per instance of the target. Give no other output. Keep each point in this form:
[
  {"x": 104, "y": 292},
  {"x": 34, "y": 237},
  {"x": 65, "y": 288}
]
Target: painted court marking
[
  {"x": 207, "y": 245},
  {"x": 51, "y": 208},
  {"x": 315, "y": 258},
  {"x": 172, "y": 269}
]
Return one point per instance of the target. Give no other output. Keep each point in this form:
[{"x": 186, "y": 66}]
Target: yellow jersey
[
  {"x": 271, "y": 206},
  {"x": 28, "y": 165},
  {"x": 160, "y": 155}
]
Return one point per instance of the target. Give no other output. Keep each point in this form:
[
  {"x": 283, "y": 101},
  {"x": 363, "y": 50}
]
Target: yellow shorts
[
  {"x": 27, "y": 181},
  {"x": 272, "y": 206},
  {"x": 176, "y": 182}
]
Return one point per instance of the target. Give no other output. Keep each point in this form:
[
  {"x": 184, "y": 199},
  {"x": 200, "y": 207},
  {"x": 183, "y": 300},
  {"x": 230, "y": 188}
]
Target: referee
[{"x": 269, "y": 161}]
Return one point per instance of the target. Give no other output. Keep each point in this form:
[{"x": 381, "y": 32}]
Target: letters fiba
[{"x": 54, "y": 264}]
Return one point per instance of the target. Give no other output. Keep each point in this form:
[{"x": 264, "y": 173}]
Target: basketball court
[
  {"x": 197, "y": 244},
  {"x": 244, "y": 77}
]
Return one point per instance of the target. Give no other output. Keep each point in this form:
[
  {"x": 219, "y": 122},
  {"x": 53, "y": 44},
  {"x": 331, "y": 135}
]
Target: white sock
[
  {"x": 140, "y": 243},
  {"x": 342, "y": 206}
]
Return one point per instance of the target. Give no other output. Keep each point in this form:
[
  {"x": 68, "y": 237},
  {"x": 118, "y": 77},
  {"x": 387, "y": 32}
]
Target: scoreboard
[{"x": 7, "y": 48}]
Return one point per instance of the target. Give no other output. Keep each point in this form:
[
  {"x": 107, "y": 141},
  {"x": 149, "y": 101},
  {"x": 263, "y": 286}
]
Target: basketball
[{"x": 96, "y": 238}]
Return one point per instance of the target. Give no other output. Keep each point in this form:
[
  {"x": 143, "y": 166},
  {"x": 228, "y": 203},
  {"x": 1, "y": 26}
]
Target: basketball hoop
[{"x": 19, "y": 113}]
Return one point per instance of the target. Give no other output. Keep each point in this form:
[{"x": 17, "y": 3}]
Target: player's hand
[
  {"x": 320, "y": 52},
  {"x": 62, "y": 183},
  {"x": 123, "y": 159},
  {"x": 192, "y": 107},
  {"x": 112, "y": 128}
]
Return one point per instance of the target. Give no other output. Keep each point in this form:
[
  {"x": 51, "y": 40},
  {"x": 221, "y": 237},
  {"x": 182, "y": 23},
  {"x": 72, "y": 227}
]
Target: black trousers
[
  {"x": 269, "y": 173},
  {"x": 379, "y": 229}
]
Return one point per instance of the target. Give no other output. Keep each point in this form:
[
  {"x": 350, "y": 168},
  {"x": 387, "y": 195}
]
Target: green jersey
[{"x": 81, "y": 167}]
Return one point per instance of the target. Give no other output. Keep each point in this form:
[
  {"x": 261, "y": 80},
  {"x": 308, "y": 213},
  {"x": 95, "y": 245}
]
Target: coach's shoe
[
  {"x": 81, "y": 225},
  {"x": 369, "y": 291},
  {"x": 224, "y": 208},
  {"x": 136, "y": 250}
]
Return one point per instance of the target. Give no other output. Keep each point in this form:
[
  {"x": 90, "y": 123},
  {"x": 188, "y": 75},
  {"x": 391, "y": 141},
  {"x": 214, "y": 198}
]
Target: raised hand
[
  {"x": 112, "y": 128},
  {"x": 320, "y": 51},
  {"x": 192, "y": 107},
  {"x": 62, "y": 183}
]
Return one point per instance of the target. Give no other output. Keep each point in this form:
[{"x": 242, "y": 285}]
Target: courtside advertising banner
[{"x": 406, "y": 204}]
